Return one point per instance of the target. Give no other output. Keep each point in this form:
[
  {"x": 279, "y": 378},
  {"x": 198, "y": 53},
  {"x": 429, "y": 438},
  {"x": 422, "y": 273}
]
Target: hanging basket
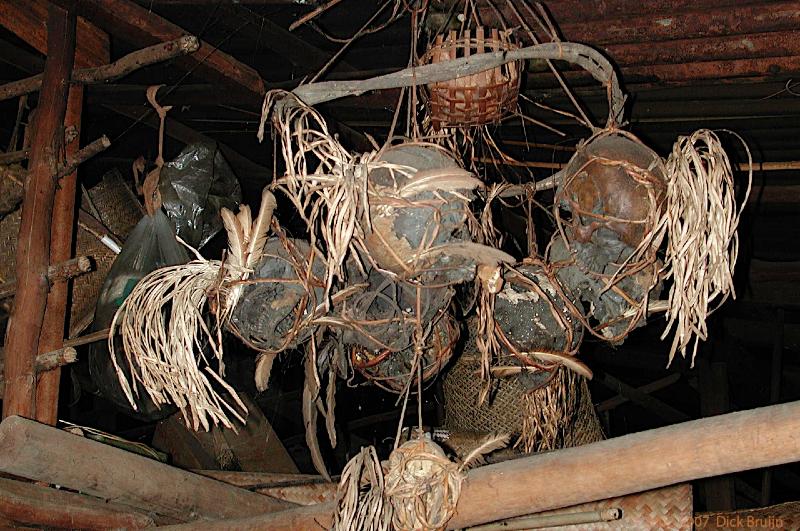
[
  {"x": 559, "y": 414},
  {"x": 476, "y": 99}
]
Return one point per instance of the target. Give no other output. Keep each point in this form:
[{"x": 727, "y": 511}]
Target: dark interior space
[{"x": 318, "y": 394}]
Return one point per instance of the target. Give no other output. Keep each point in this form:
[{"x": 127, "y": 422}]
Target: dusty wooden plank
[
  {"x": 33, "y": 248},
  {"x": 107, "y": 472}
]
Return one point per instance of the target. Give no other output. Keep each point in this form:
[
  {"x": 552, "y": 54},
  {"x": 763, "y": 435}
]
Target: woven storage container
[
  {"x": 559, "y": 415},
  {"x": 479, "y": 98}
]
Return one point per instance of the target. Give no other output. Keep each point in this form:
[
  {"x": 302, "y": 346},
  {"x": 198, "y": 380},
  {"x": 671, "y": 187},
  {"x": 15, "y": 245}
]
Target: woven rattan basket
[
  {"x": 476, "y": 99},
  {"x": 558, "y": 415}
]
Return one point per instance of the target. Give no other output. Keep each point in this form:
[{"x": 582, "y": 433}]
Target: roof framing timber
[
  {"x": 139, "y": 26},
  {"x": 27, "y": 19}
]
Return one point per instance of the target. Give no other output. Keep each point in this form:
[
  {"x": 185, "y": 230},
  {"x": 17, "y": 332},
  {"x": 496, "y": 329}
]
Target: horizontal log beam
[
  {"x": 29, "y": 504},
  {"x": 673, "y": 23},
  {"x": 110, "y": 473},
  {"x": 637, "y": 462},
  {"x": 728, "y": 47},
  {"x": 112, "y": 71},
  {"x": 300, "y": 489}
]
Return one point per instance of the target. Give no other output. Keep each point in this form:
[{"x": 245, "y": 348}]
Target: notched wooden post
[{"x": 33, "y": 249}]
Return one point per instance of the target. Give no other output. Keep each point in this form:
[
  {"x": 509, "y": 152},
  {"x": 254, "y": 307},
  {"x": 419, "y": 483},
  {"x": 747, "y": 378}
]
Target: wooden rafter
[
  {"x": 27, "y": 20},
  {"x": 141, "y": 27}
]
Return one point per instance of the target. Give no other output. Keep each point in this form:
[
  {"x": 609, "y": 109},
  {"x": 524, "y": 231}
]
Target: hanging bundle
[
  {"x": 418, "y": 214},
  {"x": 613, "y": 194},
  {"x": 404, "y": 209},
  {"x": 418, "y": 489},
  {"x": 380, "y": 322},
  {"x": 613, "y": 183},
  {"x": 281, "y": 294},
  {"x": 701, "y": 218},
  {"x": 535, "y": 322},
  {"x": 600, "y": 275},
  {"x": 164, "y": 331},
  {"x": 393, "y": 370},
  {"x": 476, "y": 99}
]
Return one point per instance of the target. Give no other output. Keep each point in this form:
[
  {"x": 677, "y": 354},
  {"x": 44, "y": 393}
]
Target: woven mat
[
  {"x": 669, "y": 509},
  {"x": 119, "y": 212}
]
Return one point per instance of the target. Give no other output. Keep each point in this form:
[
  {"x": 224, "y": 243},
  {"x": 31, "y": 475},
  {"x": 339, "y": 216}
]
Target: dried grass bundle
[
  {"x": 164, "y": 332},
  {"x": 701, "y": 220},
  {"x": 359, "y": 498},
  {"x": 548, "y": 413},
  {"x": 326, "y": 184},
  {"x": 419, "y": 489},
  {"x": 422, "y": 485}
]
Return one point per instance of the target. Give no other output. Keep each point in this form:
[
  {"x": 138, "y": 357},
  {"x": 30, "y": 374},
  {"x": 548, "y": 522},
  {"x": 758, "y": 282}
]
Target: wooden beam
[
  {"x": 141, "y": 27},
  {"x": 774, "y": 394},
  {"x": 44, "y": 362},
  {"x": 651, "y": 403},
  {"x": 112, "y": 71},
  {"x": 719, "y": 492},
  {"x": 110, "y": 473},
  {"x": 33, "y": 249},
  {"x": 304, "y": 56},
  {"x": 55, "y": 273},
  {"x": 29, "y": 504},
  {"x": 632, "y": 463},
  {"x": 27, "y": 20},
  {"x": 651, "y": 387}
]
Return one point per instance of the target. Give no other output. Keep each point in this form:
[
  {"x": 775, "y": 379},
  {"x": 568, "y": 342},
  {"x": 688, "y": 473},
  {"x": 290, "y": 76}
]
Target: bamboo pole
[
  {"x": 637, "y": 462},
  {"x": 106, "y": 472},
  {"x": 33, "y": 249},
  {"x": 743, "y": 166}
]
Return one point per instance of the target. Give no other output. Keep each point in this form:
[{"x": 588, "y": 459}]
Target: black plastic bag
[
  {"x": 151, "y": 245},
  {"x": 194, "y": 186}
]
